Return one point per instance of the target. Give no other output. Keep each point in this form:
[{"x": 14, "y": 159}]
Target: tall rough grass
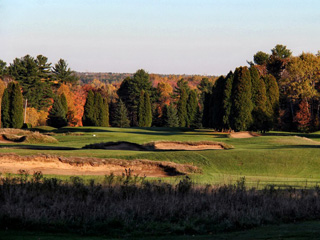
[{"x": 130, "y": 204}]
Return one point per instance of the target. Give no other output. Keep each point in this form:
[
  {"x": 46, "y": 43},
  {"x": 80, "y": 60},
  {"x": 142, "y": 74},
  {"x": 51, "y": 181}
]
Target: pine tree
[
  {"x": 142, "y": 110},
  {"x": 121, "y": 116},
  {"x": 99, "y": 113},
  {"x": 64, "y": 102},
  {"x": 16, "y": 106},
  {"x": 182, "y": 108},
  {"x": 89, "y": 109},
  {"x": 5, "y": 106},
  {"x": 192, "y": 104},
  {"x": 57, "y": 115},
  {"x": 170, "y": 116},
  {"x": 197, "y": 122},
  {"x": 272, "y": 104},
  {"x": 242, "y": 103},
  {"x": 259, "y": 99},
  {"x": 106, "y": 112},
  {"x": 227, "y": 101},
  {"x": 207, "y": 110},
  {"x": 148, "y": 111},
  {"x": 216, "y": 104}
]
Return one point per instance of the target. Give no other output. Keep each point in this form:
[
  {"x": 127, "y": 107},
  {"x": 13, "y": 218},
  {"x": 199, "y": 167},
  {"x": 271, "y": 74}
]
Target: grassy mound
[{"x": 18, "y": 135}]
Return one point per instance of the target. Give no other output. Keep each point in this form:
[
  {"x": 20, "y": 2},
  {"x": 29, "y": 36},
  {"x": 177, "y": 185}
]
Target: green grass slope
[{"x": 277, "y": 158}]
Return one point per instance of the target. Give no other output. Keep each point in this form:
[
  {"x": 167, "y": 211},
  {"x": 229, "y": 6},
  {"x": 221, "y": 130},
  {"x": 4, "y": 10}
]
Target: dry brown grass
[
  {"x": 26, "y": 136},
  {"x": 127, "y": 204}
]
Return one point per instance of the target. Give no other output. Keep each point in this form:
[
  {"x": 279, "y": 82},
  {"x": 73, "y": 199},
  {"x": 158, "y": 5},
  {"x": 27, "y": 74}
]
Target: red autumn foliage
[{"x": 303, "y": 116}]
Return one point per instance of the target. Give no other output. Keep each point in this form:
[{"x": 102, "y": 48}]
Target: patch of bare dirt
[
  {"x": 243, "y": 135},
  {"x": 49, "y": 164}
]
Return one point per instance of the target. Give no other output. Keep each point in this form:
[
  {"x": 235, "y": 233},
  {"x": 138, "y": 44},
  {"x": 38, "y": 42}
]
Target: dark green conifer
[
  {"x": 197, "y": 122},
  {"x": 89, "y": 109},
  {"x": 57, "y": 115},
  {"x": 227, "y": 101},
  {"x": 16, "y": 106},
  {"x": 142, "y": 110},
  {"x": 170, "y": 116},
  {"x": 242, "y": 103},
  {"x": 216, "y": 103},
  {"x": 148, "y": 111},
  {"x": 259, "y": 100},
  {"x": 182, "y": 108},
  {"x": 99, "y": 113},
  {"x": 5, "y": 106},
  {"x": 64, "y": 102},
  {"x": 106, "y": 113},
  {"x": 192, "y": 104},
  {"x": 120, "y": 118},
  {"x": 272, "y": 104}
]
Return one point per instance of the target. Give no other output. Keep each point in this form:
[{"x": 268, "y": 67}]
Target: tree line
[{"x": 276, "y": 91}]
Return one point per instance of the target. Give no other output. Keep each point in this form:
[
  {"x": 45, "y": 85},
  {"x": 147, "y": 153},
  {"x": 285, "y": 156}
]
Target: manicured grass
[
  {"x": 296, "y": 231},
  {"x": 277, "y": 158}
]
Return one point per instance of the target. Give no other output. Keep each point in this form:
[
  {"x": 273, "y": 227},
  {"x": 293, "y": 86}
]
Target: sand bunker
[
  {"x": 187, "y": 146},
  {"x": 243, "y": 135},
  {"x": 159, "y": 146},
  {"x": 47, "y": 164}
]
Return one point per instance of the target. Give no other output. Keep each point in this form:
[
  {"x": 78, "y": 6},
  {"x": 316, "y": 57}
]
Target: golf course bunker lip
[
  {"x": 160, "y": 146},
  {"x": 50, "y": 164},
  {"x": 243, "y": 135}
]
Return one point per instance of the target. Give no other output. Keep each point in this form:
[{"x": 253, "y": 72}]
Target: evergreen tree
[
  {"x": 5, "y": 106},
  {"x": 30, "y": 74},
  {"x": 207, "y": 110},
  {"x": 182, "y": 108},
  {"x": 63, "y": 74},
  {"x": 227, "y": 101},
  {"x": 142, "y": 110},
  {"x": 259, "y": 99},
  {"x": 242, "y": 103},
  {"x": 106, "y": 112},
  {"x": 64, "y": 102},
  {"x": 130, "y": 90},
  {"x": 57, "y": 115},
  {"x": 16, "y": 106},
  {"x": 192, "y": 104},
  {"x": 170, "y": 116},
  {"x": 12, "y": 106},
  {"x": 216, "y": 103},
  {"x": 89, "y": 109},
  {"x": 197, "y": 122},
  {"x": 148, "y": 111},
  {"x": 272, "y": 103},
  {"x": 99, "y": 113},
  {"x": 121, "y": 115}
]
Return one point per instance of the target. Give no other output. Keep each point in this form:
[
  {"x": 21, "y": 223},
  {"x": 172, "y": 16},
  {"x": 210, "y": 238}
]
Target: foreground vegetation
[{"x": 132, "y": 206}]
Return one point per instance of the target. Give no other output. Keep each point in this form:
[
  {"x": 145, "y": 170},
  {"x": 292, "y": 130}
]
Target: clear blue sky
[{"x": 160, "y": 36}]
